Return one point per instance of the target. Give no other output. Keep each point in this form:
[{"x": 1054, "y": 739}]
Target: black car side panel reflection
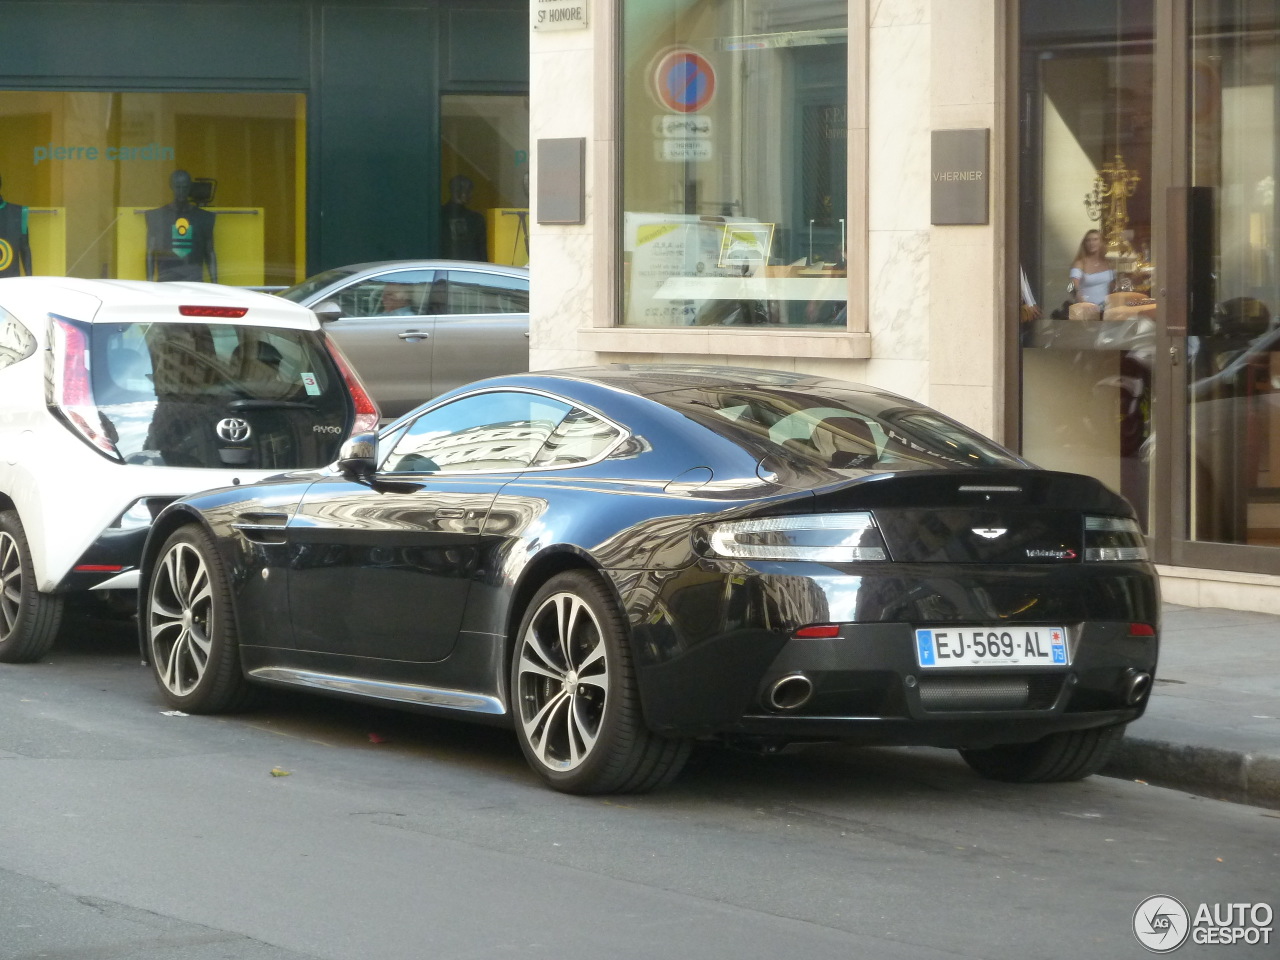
[{"x": 385, "y": 573}]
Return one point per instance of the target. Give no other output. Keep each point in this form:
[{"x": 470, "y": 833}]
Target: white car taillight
[
  {"x": 824, "y": 537},
  {"x": 367, "y": 415},
  {"x": 1113, "y": 538},
  {"x": 71, "y": 390}
]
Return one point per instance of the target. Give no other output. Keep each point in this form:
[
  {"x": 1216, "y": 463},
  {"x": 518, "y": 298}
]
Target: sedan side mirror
[
  {"x": 358, "y": 458},
  {"x": 328, "y": 311}
]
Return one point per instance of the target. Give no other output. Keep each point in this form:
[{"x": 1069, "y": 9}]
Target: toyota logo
[{"x": 233, "y": 429}]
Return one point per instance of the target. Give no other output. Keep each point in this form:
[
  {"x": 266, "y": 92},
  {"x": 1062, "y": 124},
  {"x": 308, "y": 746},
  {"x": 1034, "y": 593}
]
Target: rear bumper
[
  {"x": 710, "y": 647},
  {"x": 110, "y": 562}
]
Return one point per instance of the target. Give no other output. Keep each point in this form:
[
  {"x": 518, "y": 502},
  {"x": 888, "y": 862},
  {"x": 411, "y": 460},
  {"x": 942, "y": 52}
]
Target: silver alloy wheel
[
  {"x": 179, "y": 619},
  {"x": 10, "y": 584},
  {"x": 562, "y": 682}
]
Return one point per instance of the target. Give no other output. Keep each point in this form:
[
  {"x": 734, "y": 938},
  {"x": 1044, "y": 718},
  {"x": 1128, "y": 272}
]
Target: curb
[{"x": 1205, "y": 771}]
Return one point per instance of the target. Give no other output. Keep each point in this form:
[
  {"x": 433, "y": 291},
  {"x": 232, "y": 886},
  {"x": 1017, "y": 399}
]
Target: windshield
[
  {"x": 841, "y": 429},
  {"x": 218, "y": 395},
  {"x": 312, "y": 285}
]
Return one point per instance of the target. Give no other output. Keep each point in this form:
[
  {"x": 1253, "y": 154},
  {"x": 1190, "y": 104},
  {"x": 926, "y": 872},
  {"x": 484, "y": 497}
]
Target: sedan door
[
  {"x": 386, "y": 333},
  {"x": 481, "y": 328},
  {"x": 383, "y": 569}
]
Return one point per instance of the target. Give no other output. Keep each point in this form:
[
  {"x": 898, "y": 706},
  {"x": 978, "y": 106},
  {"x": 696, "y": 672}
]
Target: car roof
[
  {"x": 116, "y": 301},
  {"x": 376, "y": 266}
]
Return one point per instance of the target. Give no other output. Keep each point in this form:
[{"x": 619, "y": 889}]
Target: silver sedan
[{"x": 416, "y": 328}]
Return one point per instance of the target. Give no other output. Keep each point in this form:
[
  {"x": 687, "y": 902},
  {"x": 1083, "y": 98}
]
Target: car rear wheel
[
  {"x": 576, "y": 705},
  {"x": 1070, "y": 755},
  {"x": 29, "y": 619},
  {"x": 190, "y": 629}
]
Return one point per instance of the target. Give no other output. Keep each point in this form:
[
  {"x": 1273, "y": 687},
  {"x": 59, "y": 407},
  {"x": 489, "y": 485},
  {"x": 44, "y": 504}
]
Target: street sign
[
  {"x": 685, "y": 81},
  {"x": 560, "y": 15}
]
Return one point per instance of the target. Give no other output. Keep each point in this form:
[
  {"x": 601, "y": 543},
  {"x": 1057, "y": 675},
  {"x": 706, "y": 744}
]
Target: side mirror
[
  {"x": 328, "y": 311},
  {"x": 358, "y": 458}
]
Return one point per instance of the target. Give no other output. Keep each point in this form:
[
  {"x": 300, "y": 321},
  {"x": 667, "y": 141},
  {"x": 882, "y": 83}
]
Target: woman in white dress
[{"x": 1091, "y": 275}]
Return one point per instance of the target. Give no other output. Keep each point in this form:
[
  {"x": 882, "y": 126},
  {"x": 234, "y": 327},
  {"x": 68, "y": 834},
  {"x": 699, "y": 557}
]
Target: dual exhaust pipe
[
  {"x": 1136, "y": 687},
  {"x": 790, "y": 692},
  {"x": 795, "y": 690}
]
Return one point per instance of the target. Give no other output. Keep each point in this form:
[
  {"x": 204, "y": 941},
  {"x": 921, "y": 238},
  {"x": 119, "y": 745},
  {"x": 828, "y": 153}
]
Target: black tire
[
  {"x": 1059, "y": 757},
  {"x": 29, "y": 619},
  {"x": 574, "y": 697},
  {"x": 190, "y": 627}
]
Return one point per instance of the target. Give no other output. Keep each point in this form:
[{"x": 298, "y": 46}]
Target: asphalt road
[{"x": 126, "y": 833}]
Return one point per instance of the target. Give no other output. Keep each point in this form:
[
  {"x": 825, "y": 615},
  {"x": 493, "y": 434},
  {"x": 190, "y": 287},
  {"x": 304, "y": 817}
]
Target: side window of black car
[
  {"x": 580, "y": 438},
  {"x": 16, "y": 341},
  {"x": 495, "y": 430}
]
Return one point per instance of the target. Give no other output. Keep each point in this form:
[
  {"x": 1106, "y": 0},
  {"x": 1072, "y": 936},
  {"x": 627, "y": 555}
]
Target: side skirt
[{"x": 406, "y": 693}]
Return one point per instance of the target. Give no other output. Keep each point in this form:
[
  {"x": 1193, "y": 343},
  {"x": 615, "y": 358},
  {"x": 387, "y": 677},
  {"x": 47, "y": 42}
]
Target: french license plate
[{"x": 992, "y": 647}]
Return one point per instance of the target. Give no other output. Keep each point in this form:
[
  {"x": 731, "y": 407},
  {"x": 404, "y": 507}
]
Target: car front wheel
[
  {"x": 1059, "y": 757},
  {"x": 29, "y": 619},
  {"x": 190, "y": 629},
  {"x": 577, "y": 709}
]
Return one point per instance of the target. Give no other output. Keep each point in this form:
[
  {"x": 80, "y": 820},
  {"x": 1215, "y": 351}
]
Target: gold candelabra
[{"x": 1108, "y": 201}]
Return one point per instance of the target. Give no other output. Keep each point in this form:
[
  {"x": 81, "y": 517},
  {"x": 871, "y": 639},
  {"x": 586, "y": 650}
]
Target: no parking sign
[{"x": 684, "y": 81}]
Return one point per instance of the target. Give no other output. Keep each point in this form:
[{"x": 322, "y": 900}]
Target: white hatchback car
[{"x": 117, "y": 397}]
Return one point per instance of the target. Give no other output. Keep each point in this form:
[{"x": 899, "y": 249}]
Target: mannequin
[
  {"x": 15, "y": 241},
  {"x": 462, "y": 230},
  {"x": 180, "y": 237}
]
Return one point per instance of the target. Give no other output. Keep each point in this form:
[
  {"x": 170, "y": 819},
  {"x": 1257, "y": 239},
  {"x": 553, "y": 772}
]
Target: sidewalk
[{"x": 1213, "y": 724}]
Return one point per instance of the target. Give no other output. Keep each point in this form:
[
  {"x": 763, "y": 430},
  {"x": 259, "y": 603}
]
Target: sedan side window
[
  {"x": 499, "y": 430},
  {"x": 16, "y": 341},
  {"x": 401, "y": 293},
  {"x": 486, "y": 293}
]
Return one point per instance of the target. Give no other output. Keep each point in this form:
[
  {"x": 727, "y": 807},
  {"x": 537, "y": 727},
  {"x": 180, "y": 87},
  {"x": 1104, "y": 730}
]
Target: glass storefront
[
  {"x": 1161, "y": 379},
  {"x": 1089, "y": 323},
  {"x": 1233, "y": 335},
  {"x": 735, "y": 162},
  {"x": 161, "y": 185},
  {"x": 484, "y": 165}
]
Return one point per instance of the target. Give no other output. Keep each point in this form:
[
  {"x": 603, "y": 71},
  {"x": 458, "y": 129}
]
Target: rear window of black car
[
  {"x": 840, "y": 429},
  {"x": 169, "y": 391}
]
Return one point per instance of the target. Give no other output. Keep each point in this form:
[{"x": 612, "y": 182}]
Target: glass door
[{"x": 1228, "y": 514}]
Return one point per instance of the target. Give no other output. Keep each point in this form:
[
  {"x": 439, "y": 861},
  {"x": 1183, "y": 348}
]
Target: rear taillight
[
  {"x": 823, "y": 537},
  {"x": 367, "y": 415},
  {"x": 71, "y": 390},
  {"x": 1113, "y": 538}
]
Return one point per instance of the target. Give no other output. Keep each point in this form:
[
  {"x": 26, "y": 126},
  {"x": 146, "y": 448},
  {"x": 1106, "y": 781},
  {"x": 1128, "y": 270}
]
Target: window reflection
[
  {"x": 485, "y": 431},
  {"x": 160, "y": 184},
  {"x": 735, "y": 162},
  {"x": 1088, "y": 321}
]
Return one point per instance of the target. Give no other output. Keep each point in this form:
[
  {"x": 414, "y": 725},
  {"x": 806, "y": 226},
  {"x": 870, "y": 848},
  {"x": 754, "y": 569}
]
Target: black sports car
[{"x": 622, "y": 560}]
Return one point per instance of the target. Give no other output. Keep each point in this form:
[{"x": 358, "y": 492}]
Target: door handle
[
  {"x": 413, "y": 335},
  {"x": 449, "y": 513}
]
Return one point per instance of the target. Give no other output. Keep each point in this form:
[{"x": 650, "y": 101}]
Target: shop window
[
  {"x": 156, "y": 185},
  {"x": 1088, "y": 322},
  {"x": 484, "y": 163},
  {"x": 735, "y": 163}
]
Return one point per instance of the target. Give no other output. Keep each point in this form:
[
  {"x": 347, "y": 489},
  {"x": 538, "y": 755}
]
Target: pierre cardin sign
[{"x": 961, "y": 177}]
